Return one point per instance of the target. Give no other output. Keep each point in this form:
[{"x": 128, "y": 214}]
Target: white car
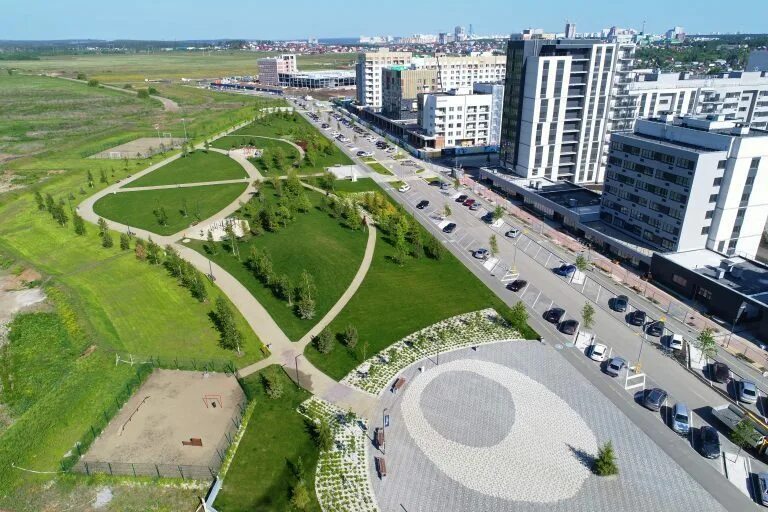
[
  {"x": 364, "y": 154},
  {"x": 675, "y": 342},
  {"x": 404, "y": 188},
  {"x": 598, "y": 352}
]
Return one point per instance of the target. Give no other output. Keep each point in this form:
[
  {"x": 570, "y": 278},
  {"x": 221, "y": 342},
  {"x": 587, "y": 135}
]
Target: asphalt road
[{"x": 546, "y": 290}]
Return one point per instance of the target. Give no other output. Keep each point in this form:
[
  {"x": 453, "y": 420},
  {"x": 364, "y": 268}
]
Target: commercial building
[
  {"x": 462, "y": 117},
  {"x": 689, "y": 184},
  {"x": 368, "y": 74},
  {"x": 556, "y": 107},
  {"x": 318, "y": 79},
  {"x": 271, "y": 67}
]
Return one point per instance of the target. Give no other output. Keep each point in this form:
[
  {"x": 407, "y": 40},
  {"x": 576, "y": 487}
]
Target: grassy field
[
  {"x": 314, "y": 242},
  {"x": 376, "y": 166},
  {"x": 263, "y": 471},
  {"x": 196, "y": 167},
  {"x": 349, "y": 186},
  {"x": 169, "y": 65},
  {"x": 137, "y": 209},
  {"x": 266, "y": 162}
]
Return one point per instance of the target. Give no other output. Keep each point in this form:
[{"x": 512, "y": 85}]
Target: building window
[
  {"x": 721, "y": 164},
  {"x": 705, "y": 230},
  {"x": 717, "y": 182},
  {"x": 704, "y": 293},
  {"x": 709, "y": 214},
  {"x": 713, "y": 198},
  {"x": 754, "y": 164}
]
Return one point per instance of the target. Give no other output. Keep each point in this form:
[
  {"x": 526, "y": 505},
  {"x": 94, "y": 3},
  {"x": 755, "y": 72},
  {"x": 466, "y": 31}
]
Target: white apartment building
[
  {"x": 461, "y": 117},
  {"x": 689, "y": 184},
  {"x": 368, "y": 71},
  {"x": 270, "y": 68}
]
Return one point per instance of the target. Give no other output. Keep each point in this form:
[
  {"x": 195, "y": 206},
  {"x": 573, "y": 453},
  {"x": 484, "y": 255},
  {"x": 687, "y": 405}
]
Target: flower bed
[
  {"x": 467, "y": 330},
  {"x": 342, "y": 483}
]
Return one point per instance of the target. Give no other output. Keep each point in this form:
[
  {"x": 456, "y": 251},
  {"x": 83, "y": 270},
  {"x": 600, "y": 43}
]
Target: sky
[{"x": 301, "y": 19}]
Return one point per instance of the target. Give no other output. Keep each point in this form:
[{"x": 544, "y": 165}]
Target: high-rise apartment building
[
  {"x": 556, "y": 105},
  {"x": 570, "y": 30},
  {"x": 270, "y": 68},
  {"x": 368, "y": 69},
  {"x": 689, "y": 184},
  {"x": 401, "y": 85}
]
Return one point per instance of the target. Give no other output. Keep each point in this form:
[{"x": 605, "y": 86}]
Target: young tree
[
  {"x": 103, "y": 176},
  {"x": 49, "y": 203},
  {"x": 581, "y": 263},
  {"x": 494, "y": 245},
  {"x": 350, "y": 336},
  {"x": 742, "y": 435},
  {"x": 435, "y": 249},
  {"x": 197, "y": 286},
  {"x": 184, "y": 209},
  {"x": 140, "y": 250},
  {"x": 706, "y": 344},
  {"x": 498, "y": 213},
  {"x": 446, "y": 210},
  {"x": 125, "y": 241},
  {"x": 103, "y": 227},
  {"x": 588, "y": 315},
  {"x": 79, "y": 224},
  {"x": 273, "y": 384},
  {"x": 107, "y": 241},
  {"x": 323, "y": 434},
  {"x": 284, "y": 288},
  {"x": 605, "y": 463},
  {"x": 212, "y": 244},
  {"x": 40, "y": 201},
  {"x": 229, "y": 229},
  {"x": 324, "y": 341},
  {"x": 518, "y": 315},
  {"x": 231, "y": 337},
  {"x": 305, "y": 308}
]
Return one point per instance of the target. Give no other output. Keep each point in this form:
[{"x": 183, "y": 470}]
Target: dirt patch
[
  {"x": 172, "y": 407},
  {"x": 90, "y": 350},
  {"x": 139, "y": 148}
]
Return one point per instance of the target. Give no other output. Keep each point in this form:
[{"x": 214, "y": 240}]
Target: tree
[
  {"x": 350, "y": 336},
  {"x": 103, "y": 176},
  {"x": 324, "y": 341},
  {"x": 518, "y": 315},
  {"x": 93, "y": 82},
  {"x": 588, "y": 315},
  {"x": 323, "y": 434},
  {"x": 197, "y": 286},
  {"x": 142, "y": 93},
  {"x": 446, "y": 210},
  {"x": 284, "y": 288},
  {"x": 49, "y": 203},
  {"x": 494, "y": 245},
  {"x": 581, "y": 263},
  {"x": 742, "y": 435},
  {"x": 79, "y": 224},
  {"x": 140, "y": 250},
  {"x": 498, "y": 213},
  {"x": 212, "y": 244},
  {"x": 706, "y": 344},
  {"x": 125, "y": 241},
  {"x": 103, "y": 227},
  {"x": 435, "y": 249},
  {"x": 161, "y": 215},
  {"x": 300, "y": 496},
  {"x": 273, "y": 385},
  {"x": 106, "y": 240},
  {"x": 40, "y": 201},
  {"x": 184, "y": 208},
  {"x": 231, "y": 337},
  {"x": 306, "y": 308},
  {"x": 605, "y": 463},
  {"x": 81, "y": 76}
]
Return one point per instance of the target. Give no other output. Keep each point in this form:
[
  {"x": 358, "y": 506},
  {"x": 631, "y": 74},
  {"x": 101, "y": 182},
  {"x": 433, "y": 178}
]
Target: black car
[
  {"x": 487, "y": 218},
  {"x": 654, "y": 399},
  {"x": 720, "y": 372},
  {"x": 569, "y": 327},
  {"x": 710, "y": 442},
  {"x": 461, "y": 198},
  {"x": 422, "y": 204},
  {"x": 655, "y": 328},
  {"x": 554, "y": 315},
  {"x": 517, "y": 285},
  {"x": 450, "y": 227},
  {"x": 620, "y": 303},
  {"x": 637, "y": 317}
]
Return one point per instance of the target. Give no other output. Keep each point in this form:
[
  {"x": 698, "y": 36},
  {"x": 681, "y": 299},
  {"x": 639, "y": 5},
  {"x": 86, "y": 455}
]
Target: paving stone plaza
[{"x": 512, "y": 426}]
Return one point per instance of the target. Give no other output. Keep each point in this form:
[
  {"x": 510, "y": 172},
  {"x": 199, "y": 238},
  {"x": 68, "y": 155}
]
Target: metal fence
[{"x": 176, "y": 363}]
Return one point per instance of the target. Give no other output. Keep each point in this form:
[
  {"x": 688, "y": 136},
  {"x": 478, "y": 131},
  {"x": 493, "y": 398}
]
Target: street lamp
[
  {"x": 384, "y": 430},
  {"x": 210, "y": 271},
  {"x": 184, "y": 122},
  {"x": 739, "y": 312},
  {"x": 296, "y": 364}
]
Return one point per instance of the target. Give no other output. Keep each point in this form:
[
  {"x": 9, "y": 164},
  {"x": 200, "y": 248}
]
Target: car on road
[
  {"x": 364, "y": 153},
  {"x": 444, "y": 185},
  {"x": 620, "y": 303},
  {"x": 615, "y": 366},
  {"x": 654, "y": 399},
  {"x": 762, "y": 484},
  {"x": 747, "y": 392},
  {"x": 450, "y": 227},
  {"x": 512, "y": 233},
  {"x": 565, "y": 270},
  {"x": 517, "y": 285},
  {"x": 422, "y": 204},
  {"x": 404, "y": 187},
  {"x": 481, "y": 254},
  {"x": 675, "y": 341},
  {"x": 709, "y": 441},
  {"x": 569, "y": 327},
  {"x": 637, "y": 317},
  {"x": 554, "y": 315},
  {"x": 655, "y": 328},
  {"x": 598, "y": 352},
  {"x": 720, "y": 372},
  {"x": 681, "y": 418},
  {"x": 461, "y": 198}
]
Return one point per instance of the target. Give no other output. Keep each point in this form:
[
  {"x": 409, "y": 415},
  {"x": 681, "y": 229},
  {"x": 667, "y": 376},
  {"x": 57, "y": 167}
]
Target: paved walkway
[
  {"x": 299, "y": 148},
  {"x": 251, "y": 169},
  {"x": 182, "y": 185}
]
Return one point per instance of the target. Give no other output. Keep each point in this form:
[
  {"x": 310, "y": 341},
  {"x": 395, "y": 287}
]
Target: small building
[{"x": 318, "y": 79}]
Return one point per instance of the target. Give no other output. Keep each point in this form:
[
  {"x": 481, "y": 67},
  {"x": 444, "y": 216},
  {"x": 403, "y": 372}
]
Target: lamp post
[
  {"x": 184, "y": 122},
  {"x": 210, "y": 271},
  {"x": 296, "y": 364},
  {"x": 384, "y": 430},
  {"x": 739, "y": 312}
]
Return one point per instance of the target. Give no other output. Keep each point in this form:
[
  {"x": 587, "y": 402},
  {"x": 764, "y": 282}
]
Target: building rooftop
[
  {"x": 336, "y": 73},
  {"x": 744, "y": 276}
]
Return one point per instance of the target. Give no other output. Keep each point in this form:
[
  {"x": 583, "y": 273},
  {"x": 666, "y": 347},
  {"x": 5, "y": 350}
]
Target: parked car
[
  {"x": 517, "y": 285},
  {"x": 615, "y": 366},
  {"x": 675, "y": 341},
  {"x": 637, "y": 317},
  {"x": 461, "y": 198},
  {"x": 655, "y": 328},
  {"x": 598, "y": 352},
  {"x": 565, "y": 270},
  {"x": 720, "y": 372},
  {"x": 474, "y": 207},
  {"x": 709, "y": 441},
  {"x": 450, "y": 227},
  {"x": 487, "y": 218},
  {"x": 762, "y": 484},
  {"x": 654, "y": 399},
  {"x": 468, "y": 202},
  {"x": 364, "y": 153},
  {"x": 481, "y": 254},
  {"x": 569, "y": 327},
  {"x": 747, "y": 392},
  {"x": 620, "y": 303},
  {"x": 681, "y": 418},
  {"x": 444, "y": 185},
  {"x": 554, "y": 315},
  {"x": 422, "y": 204},
  {"x": 512, "y": 233}
]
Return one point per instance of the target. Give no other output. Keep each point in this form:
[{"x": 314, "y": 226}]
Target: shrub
[
  {"x": 350, "y": 336},
  {"x": 273, "y": 385},
  {"x": 605, "y": 463},
  {"x": 324, "y": 341}
]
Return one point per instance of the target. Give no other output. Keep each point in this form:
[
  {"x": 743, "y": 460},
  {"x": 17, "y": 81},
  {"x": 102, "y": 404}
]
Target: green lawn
[
  {"x": 349, "y": 186},
  {"x": 196, "y": 167},
  {"x": 137, "y": 209},
  {"x": 376, "y": 166},
  {"x": 266, "y": 163},
  {"x": 314, "y": 241},
  {"x": 262, "y": 473}
]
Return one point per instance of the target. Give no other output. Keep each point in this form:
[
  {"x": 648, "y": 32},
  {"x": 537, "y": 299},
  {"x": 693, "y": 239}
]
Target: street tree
[
  {"x": 494, "y": 245},
  {"x": 605, "y": 463},
  {"x": 125, "y": 241},
  {"x": 350, "y": 336},
  {"x": 212, "y": 244},
  {"x": 518, "y": 315},
  {"x": 581, "y": 263},
  {"x": 742, "y": 435},
  {"x": 706, "y": 344},
  {"x": 498, "y": 213},
  {"x": 324, "y": 341},
  {"x": 446, "y": 210},
  {"x": 588, "y": 315}
]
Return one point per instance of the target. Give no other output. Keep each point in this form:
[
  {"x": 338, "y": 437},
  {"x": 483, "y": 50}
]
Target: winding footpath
[
  {"x": 168, "y": 104},
  {"x": 283, "y": 351}
]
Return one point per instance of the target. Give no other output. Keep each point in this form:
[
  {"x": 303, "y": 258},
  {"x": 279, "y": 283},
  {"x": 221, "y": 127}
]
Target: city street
[{"x": 533, "y": 261}]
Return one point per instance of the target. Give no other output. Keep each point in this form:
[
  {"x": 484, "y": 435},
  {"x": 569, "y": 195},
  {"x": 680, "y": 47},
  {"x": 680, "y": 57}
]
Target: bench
[
  {"x": 381, "y": 467},
  {"x": 193, "y": 441},
  {"x": 399, "y": 383},
  {"x": 379, "y": 437}
]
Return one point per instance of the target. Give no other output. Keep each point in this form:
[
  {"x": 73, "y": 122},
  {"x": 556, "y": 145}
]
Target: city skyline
[{"x": 193, "y": 19}]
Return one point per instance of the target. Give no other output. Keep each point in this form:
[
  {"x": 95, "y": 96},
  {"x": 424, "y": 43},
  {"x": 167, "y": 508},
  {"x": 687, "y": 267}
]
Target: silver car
[{"x": 747, "y": 392}]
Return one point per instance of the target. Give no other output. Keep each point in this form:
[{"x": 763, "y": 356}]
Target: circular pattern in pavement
[
  {"x": 460, "y": 416},
  {"x": 539, "y": 459}
]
